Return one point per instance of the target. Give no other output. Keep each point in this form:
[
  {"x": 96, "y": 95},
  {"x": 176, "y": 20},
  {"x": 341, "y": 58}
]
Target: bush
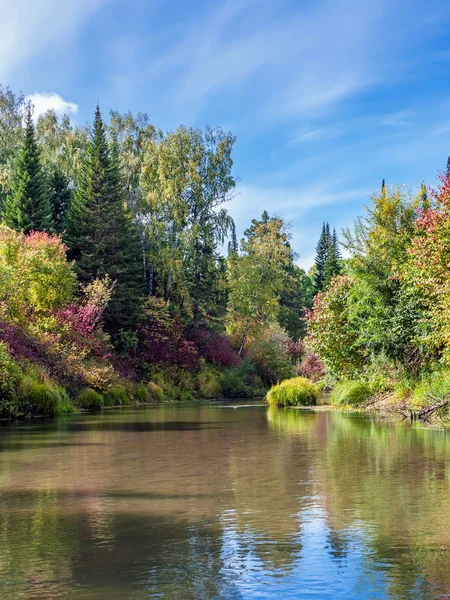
[
  {"x": 271, "y": 358},
  {"x": 208, "y": 384},
  {"x": 156, "y": 391},
  {"x": 350, "y": 392},
  {"x": 234, "y": 386},
  {"x": 116, "y": 396},
  {"x": 10, "y": 374},
  {"x": 293, "y": 392},
  {"x": 40, "y": 398},
  {"x": 90, "y": 399},
  {"x": 65, "y": 405},
  {"x": 142, "y": 393},
  {"x": 435, "y": 386}
]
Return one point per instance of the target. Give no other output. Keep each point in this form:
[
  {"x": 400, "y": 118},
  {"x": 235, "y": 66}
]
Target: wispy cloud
[{"x": 28, "y": 27}]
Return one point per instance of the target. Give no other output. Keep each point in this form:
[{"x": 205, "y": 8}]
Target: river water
[{"x": 211, "y": 501}]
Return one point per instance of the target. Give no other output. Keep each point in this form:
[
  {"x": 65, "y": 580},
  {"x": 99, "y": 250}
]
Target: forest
[{"x": 122, "y": 278}]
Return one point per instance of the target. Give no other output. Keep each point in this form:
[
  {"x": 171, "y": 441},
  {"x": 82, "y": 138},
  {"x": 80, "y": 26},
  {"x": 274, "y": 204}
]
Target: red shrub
[{"x": 214, "y": 347}]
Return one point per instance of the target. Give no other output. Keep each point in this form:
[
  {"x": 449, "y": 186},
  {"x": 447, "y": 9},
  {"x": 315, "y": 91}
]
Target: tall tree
[
  {"x": 424, "y": 200},
  {"x": 333, "y": 261},
  {"x": 258, "y": 276},
  {"x": 100, "y": 232},
  {"x": 60, "y": 196},
  {"x": 27, "y": 207},
  {"x": 322, "y": 249}
]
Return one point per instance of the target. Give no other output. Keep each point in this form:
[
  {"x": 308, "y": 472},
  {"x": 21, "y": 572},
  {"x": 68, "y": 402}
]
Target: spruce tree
[
  {"x": 27, "y": 208},
  {"x": 322, "y": 249},
  {"x": 448, "y": 166},
  {"x": 424, "y": 200},
  {"x": 60, "y": 195},
  {"x": 233, "y": 243},
  {"x": 332, "y": 263},
  {"x": 100, "y": 232}
]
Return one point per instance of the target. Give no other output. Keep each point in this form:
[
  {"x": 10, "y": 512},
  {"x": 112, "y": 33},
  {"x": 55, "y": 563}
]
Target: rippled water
[{"x": 203, "y": 502}]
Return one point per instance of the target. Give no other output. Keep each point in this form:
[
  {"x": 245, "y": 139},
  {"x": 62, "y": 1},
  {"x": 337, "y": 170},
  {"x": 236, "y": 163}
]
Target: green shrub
[
  {"x": 430, "y": 388},
  {"x": 116, "y": 396},
  {"x": 10, "y": 376},
  {"x": 234, "y": 386},
  {"x": 156, "y": 391},
  {"x": 270, "y": 359},
  {"x": 297, "y": 391},
  {"x": 40, "y": 398},
  {"x": 65, "y": 405},
  {"x": 142, "y": 393},
  {"x": 351, "y": 393},
  {"x": 90, "y": 399},
  {"x": 208, "y": 384}
]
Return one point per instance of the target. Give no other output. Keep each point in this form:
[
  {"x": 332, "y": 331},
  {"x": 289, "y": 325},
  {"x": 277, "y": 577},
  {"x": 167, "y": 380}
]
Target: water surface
[{"x": 208, "y": 501}]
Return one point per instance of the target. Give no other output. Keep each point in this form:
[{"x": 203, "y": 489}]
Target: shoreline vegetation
[{"x": 122, "y": 280}]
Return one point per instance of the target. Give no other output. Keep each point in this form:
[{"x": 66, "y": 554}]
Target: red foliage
[
  {"x": 311, "y": 367},
  {"x": 19, "y": 345},
  {"x": 162, "y": 340},
  {"x": 214, "y": 347},
  {"x": 79, "y": 323}
]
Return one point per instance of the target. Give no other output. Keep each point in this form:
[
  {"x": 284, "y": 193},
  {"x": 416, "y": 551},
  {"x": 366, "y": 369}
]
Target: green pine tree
[
  {"x": 333, "y": 261},
  {"x": 321, "y": 256},
  {"x": 27, "y": 208},
  {"x": 60, "y": 196},
  {"x": 424, "y": 200},
  {"x": 101, "y": 234}
]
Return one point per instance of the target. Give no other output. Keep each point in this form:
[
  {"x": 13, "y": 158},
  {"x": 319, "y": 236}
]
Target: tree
[
  {"x": 322, "y": 250},
  {"x": 100, "y": 232},
  {"x": 258, "y": 276},
  {"x": 60, "y": 196},
  {"x": 27, "y": 208},
  {"x": 188, "y": 179},
  {"x": 332, "y": 262}
]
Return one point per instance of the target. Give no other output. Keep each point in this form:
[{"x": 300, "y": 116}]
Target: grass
[
  {"x": 90, "y": 399},
  {"x": 350, "y": 393},
  {"x": 297, "y": 391}
]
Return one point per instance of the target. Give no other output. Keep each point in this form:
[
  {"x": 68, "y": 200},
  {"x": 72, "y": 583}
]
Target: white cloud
[{"x": 43, "y": 102}]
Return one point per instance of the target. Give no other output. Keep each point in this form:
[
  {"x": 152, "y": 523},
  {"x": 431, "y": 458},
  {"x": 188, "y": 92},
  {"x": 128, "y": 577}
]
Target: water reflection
[{"x": 207, "y": 502}]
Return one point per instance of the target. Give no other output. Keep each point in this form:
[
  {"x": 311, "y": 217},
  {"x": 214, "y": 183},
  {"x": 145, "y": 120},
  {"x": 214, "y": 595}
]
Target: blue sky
[{"x": 326, "y": 97}]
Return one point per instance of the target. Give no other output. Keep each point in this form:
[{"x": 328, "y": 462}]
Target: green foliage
[
  {"x": 234, "y": 385},
  {"x": 60, "y": 196},
  {"x": 353, "y": 393},
  {"x": 40, "y": 397},
  {"x": 156, "y": 391},
  {"x": 270, "y": 359},
  {"x": 27, "y": 208},
  {"x": 10, "y": 375},
  {"x": 35, "y": 277},
  {"x": 89, "y": 399},
  {"x": 100, "y": 231},
  {"x": 142, "y": 393},
  {"x": 332, "y": 334},
  {"x": 116, "y": 396},
  {"x": 208, "y": 384},
  {"x": 258, "y": 277},
  {"x": 297, "y": 391}
]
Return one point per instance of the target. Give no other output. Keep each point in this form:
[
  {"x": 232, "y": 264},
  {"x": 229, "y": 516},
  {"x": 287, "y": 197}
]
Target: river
[{"x": 211, "y": 501}]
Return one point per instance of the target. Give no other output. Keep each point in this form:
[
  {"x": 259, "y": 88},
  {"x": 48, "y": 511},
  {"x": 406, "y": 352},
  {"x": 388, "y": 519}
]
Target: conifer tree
[
  {"x": 321, "y": 256},
  {"x": 27, "y": 208},
  {"x": 332, "y": 263},
  {"x": 233, "y": 243},
  {"x": 60, "y": 195},
  {"x": 424, "y": 200},
  {"x": 448, "y": 166},
  {"x": 100, "y": 231}
]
